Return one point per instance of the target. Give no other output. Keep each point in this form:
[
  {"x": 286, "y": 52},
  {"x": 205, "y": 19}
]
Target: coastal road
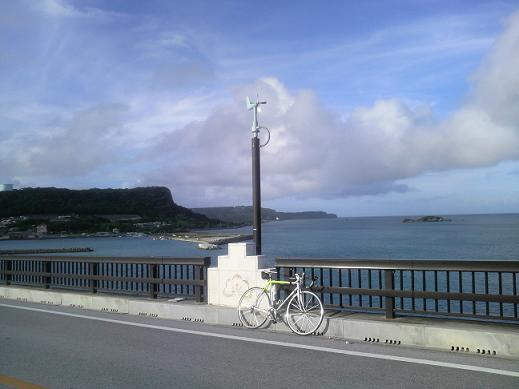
[{"x": 58, "y": 347}]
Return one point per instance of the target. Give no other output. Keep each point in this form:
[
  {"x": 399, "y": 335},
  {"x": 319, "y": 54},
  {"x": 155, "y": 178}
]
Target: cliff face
[{"x": 149, "y": 202}]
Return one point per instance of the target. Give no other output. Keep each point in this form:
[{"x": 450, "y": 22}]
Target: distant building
[
  {"x": 6, "y": 187},
  {"x": 63, "y": 218},
  {"x": 22, "y": 235},
  {"x": 41, "y": 230},
  {"x": 149, "y": 224}
]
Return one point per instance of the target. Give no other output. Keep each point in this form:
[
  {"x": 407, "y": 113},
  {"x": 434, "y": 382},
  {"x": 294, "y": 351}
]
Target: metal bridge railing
[
  {"x": 484, "y": 290},
  {"x": 152, "y": 276}
]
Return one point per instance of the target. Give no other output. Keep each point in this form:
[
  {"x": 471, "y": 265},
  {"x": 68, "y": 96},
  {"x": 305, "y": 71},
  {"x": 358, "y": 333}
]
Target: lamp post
[{"x": 256, "y": 182}]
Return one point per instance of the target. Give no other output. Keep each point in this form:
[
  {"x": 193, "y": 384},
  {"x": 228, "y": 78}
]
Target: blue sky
[{"x": 375, "y": 107}]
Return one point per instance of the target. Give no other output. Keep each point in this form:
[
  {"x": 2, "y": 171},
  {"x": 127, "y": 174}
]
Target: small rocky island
[{"x": 427, "y": 219}]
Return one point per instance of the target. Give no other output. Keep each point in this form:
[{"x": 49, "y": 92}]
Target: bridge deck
[
  {"x": 455, "y": 336},
  {"x": 63, "y": 347}
]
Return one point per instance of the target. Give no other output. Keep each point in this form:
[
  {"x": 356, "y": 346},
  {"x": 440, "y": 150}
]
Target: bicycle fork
[{"x": 300, "y": 301}]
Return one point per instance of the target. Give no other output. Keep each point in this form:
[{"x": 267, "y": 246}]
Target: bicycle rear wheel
[
  {"x": 253, "y": 307},
  {"x": 305, "y": 313}
]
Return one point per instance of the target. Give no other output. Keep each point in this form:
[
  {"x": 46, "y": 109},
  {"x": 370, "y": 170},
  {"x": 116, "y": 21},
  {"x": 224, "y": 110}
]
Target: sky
[{"x": 375, "y": 108}]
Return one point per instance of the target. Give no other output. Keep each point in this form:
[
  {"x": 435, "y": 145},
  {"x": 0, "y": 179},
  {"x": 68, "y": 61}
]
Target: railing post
[
  {"x": 202, "y": 276},
  {"x": 94, "y": 271},
  {"x": 287, "y": 273},
  {"x": 199, "y": 276},
  {"x": 48, "y": 278},
  {"x": 153, "y": 286},
  {"x": 8, "y": 268},
  {"x": 389, "y": 280},
  {"x": 278, "y": 278}
]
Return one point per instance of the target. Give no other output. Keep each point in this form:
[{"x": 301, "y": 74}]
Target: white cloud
[
  {"x": 73, "y": 146},
  {"x": 315, "y": 153},
  {"x": 57, "y": 8},
  {"x": 66, "y": 9},
  {"x": 168, "y": 81}
]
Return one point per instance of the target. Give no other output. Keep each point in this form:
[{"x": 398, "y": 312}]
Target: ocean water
[
  {"x": 493, "y": 237},
  {"x": 465, "y": 237}
]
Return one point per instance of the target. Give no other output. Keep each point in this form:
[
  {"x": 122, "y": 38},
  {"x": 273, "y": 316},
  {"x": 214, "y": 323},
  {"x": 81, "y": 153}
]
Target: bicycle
[{"x": 304, "y": 309}]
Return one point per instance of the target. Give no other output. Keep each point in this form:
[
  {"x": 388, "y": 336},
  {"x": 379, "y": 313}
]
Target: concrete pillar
[{"x": 237, "y": 271}]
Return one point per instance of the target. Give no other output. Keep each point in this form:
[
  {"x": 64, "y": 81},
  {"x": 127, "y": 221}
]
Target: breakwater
[
  {"x": 204, "y": 237},
  {"x": 46, "y": 251}
]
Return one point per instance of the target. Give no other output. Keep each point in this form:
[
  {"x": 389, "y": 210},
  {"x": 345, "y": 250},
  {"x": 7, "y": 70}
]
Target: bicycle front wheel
[
  {"x": 253, "y": 307},
  {"x": 305, "y": 313}
]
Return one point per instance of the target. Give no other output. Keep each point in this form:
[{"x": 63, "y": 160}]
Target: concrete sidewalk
[{"x": 501, "y": 340}]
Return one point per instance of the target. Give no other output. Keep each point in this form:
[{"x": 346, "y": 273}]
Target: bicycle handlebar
[
  {"x": 296, "y": 278},
  {"x": 300, "y": 277}
]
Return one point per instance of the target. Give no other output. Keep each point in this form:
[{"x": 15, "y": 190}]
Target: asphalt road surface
[{"x": 57, "y": 347}]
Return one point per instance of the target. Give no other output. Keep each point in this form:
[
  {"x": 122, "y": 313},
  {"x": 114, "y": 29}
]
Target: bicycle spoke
[
  {"x": 305, "y": 313},
  {"x": 297, "y": 321},
  {"x": 253, "y": 308},
  {"x": 307, "y": 323}
]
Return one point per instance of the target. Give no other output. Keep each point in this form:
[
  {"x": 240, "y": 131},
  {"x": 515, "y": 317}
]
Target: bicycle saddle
[{"x": 267, "y": 274}]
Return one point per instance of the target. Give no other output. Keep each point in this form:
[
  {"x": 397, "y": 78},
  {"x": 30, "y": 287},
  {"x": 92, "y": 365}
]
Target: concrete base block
[
  {"x": 77, "y": 300},
  {"x": 225, "y": 287},
  {"x": 235, "y": 273},
  {"x": 109, "y": 304},
  {"x": 282, "y": 327},
  {"x": 493, "y": 343},
  {"x": 383, "y": 332},
  {"x": 31, "y": 295},
  {"x": 227, "y": 316},
  {"x": 4, "y": 292},
  {"x": 173, "y": 310},
  {"x": 157, "y": 309},
  {"x": 197, "y": 313},
  {"x": 333, "y": 327}
]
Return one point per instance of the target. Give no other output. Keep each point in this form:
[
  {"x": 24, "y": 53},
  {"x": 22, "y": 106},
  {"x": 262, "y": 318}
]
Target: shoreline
[{"x": 214, "y": 239}]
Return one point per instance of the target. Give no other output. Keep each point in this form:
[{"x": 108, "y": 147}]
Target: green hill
[
  {"x": 97, "y": 207},
  {"x": 243, "y": 214}
]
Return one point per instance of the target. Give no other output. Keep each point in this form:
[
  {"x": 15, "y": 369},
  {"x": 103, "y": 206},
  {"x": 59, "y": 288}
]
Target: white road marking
[{"x": 388, "y": 357}]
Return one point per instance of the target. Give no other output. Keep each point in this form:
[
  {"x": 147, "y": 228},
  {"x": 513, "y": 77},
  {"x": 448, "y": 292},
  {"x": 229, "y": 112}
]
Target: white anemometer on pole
[{"x": 255, "y": 107}]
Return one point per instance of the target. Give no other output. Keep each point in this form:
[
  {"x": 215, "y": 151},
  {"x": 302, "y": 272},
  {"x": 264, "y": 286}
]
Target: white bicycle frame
[{"x": 273, "y": 291}]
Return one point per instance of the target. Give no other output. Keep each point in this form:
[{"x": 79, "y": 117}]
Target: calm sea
[{"x": 466, "y": 237}]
